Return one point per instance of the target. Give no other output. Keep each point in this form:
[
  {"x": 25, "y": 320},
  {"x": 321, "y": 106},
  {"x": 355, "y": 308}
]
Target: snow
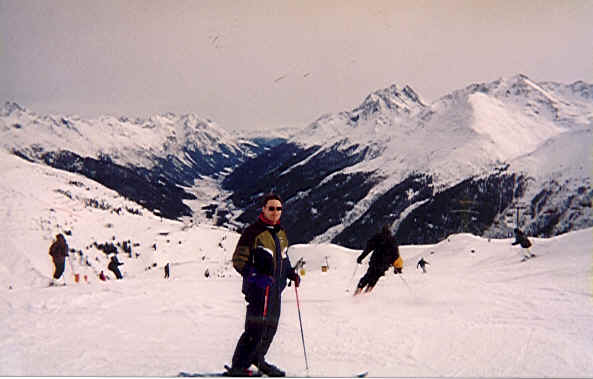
[
  {"x": 511, "y": 133},
  {"x": 126, "y": 142},
  {"x": 474, "y": 314},
  {"x": 470, "y": 130}
]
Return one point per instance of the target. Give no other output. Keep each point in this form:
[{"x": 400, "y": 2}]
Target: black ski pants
[
  {"x": 116, "y": 272},
  {"x": 372, "y": 276},
  {"x": 59, "y": 270},
  {"x": 260, "y": 330}
]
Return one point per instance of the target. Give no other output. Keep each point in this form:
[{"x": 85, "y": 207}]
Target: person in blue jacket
[{"x": 261, "y": 259}]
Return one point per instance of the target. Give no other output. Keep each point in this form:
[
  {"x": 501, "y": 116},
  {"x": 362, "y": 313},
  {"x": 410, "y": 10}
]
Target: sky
[{"x": 257, "y": 65}]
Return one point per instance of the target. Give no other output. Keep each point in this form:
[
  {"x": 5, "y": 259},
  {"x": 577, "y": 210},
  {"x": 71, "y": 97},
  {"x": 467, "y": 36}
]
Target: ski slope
[{"x": 478, "y": 312}]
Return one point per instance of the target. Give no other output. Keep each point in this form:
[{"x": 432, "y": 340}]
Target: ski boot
[
  {"x": 270, "y": 370},
  {"x": 240, "y": 372}
]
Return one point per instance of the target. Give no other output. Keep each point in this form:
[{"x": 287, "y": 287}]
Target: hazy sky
[{"x": 274, "y": 63}]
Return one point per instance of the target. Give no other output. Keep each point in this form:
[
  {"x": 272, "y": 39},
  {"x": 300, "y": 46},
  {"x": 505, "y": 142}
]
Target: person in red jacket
[{"x": 58, "y": 251}]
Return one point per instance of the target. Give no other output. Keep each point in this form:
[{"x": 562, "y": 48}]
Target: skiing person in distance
[
  {"x": 422, "y": 264},
  {"x": 102, "y": 276},
  {"x": 385, "y": 253},
  {"x": 521, "y": 238},
  {"x": 167, "y": 271},
  {"x": 113, "y": 266},
  {"x": 58, "y": 251},
  {"x": 261, "y": 258}
]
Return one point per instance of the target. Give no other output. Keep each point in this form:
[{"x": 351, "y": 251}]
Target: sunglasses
[{"x": 272, "y": 209}]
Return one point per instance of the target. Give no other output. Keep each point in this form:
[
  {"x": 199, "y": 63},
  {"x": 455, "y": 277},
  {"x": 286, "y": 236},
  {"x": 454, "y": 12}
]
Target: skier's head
[
  {"x": 60, "y": 237},
  {"x": 272, "y": 207}
]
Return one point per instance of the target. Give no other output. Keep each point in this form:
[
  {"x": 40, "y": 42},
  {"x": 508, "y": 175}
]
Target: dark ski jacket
[
  {"x": 261, "y": 258},
  {"x": 59, "y": 249},
  {"x": 113, "y": 264},
  {"x": 422, "y": 263},
  {"x": 520, "y": 238},
  {"x": 385, "y": 250}
]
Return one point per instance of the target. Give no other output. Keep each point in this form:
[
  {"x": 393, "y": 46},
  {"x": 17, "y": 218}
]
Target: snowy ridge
[
  {"x": 478, "y": 312},
  {"x": 468, "y": 130},
  {"x": 126, "y": 142}
]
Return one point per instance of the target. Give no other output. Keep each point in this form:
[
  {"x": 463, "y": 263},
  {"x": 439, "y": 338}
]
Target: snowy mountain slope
[
  {"x": 478, "y": 312},
  {"x": 153, "y": 162},
  {"x": 128, "y": 142},
  {"x": 386, "y": 165},
  {"x": 39, "y": 201},
  {"x": 472, "y": 128}
]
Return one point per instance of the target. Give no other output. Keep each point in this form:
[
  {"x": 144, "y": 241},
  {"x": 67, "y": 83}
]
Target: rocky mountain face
[{"x": 476, "y": 161}]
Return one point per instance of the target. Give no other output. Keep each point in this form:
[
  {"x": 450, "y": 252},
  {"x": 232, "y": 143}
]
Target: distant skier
[
  {"x": 261, "y": 258},
  {"x": 422, "y": 264},
  {"x": 114, "y": 267},
  {"x": 385, "y": 253},
  {"x": 167, "y": 271},
  {"x": 521, "y": 238},
  {"x": 58, "y": 251},
  {"x": 102, "y": 276}
]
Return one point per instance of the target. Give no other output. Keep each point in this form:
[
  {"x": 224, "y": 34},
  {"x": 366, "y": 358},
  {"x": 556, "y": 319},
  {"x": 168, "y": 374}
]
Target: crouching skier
[
  {"x": 385, "y": 254},
  {"x": 521, "y": 238},
  {"x": 261, "y": 258}
]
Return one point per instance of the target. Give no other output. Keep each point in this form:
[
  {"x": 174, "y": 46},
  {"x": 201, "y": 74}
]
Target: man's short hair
[{"x": 270, "y": 196}]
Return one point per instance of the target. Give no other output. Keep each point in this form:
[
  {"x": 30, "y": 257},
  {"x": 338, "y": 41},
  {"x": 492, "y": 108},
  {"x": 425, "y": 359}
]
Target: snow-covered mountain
[
  {"x": 460, "y": 164},
  {"x": 466, "y": 162},
  {"x": 153, "y": 161}
]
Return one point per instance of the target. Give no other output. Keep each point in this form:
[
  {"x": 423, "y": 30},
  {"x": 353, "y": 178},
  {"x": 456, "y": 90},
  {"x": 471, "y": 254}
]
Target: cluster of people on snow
[
  {"x": 58, "y": 250},
  {"x": 261, "y": 258}
]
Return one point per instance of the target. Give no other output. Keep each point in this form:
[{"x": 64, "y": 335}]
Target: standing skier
[
  {"x": 385, "y": 253},
  {"x": 58, "y": 251},
  {"x": 113, "y": 266},
  {"x": 261, "y": 258},
  {"x": 422, "y": 264},
  {"x": 521, "y": 238}
]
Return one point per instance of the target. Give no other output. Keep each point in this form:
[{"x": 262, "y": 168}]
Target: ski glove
[
  {"x": 260, "y": 280},
  {"x": 295, "y": 278}
]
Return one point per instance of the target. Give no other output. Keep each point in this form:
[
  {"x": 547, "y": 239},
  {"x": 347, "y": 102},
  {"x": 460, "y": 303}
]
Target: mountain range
[{"x": 483, "y": 159}]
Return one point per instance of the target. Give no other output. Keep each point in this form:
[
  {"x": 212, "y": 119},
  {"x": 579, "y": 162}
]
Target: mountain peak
[{"x": 393, "y": 98}]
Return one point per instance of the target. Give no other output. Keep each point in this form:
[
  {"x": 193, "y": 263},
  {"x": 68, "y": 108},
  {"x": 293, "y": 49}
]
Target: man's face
[{"x": 273, "y": 210}]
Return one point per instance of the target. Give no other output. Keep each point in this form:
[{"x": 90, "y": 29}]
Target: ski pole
[
  {"x": 301, "y": 324},
  {"x": 352, "y": 277}
]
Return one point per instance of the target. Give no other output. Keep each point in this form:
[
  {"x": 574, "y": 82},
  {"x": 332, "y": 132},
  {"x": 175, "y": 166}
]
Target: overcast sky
[{"x": 274, "y": 63}]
